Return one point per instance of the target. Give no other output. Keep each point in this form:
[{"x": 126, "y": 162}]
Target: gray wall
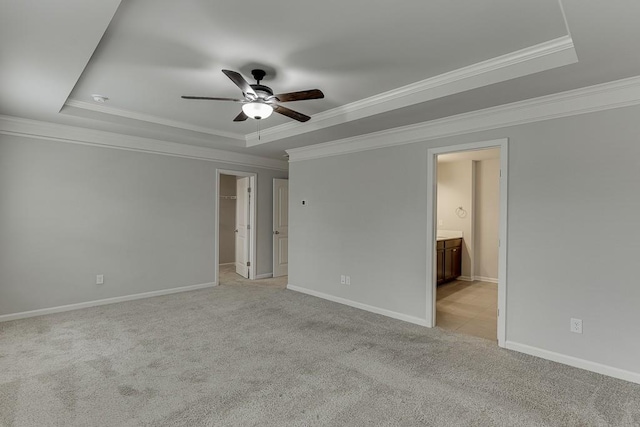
[
  {"x": 573, "y": 235},
  {"x": 145, "y": 221},
  {"x": 227, "y": 219}
]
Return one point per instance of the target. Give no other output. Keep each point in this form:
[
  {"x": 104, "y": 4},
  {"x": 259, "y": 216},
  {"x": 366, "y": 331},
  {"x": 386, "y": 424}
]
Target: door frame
[
  {"x": 253, "y": 215},
  {"x": 273, "y": 237},
  {"x": 432, "y": 194}
]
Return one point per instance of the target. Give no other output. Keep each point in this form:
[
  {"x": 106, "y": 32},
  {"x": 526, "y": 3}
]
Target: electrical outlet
[
  {"x": 305, "y": 203},
  {"x": 348, "y": 280},
  {"x": 440, "y": 223},
  {"x": 100, "y": 279},
  {"x": 576, "y": 326},
  {"x": 343, "y": 279}
]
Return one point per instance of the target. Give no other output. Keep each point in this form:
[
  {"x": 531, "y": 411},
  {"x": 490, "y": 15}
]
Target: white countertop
[{"x": 448, "y": 234}]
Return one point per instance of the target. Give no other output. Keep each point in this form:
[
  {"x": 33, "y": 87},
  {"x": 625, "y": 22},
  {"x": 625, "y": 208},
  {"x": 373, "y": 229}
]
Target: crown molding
[
  {"x": 544, "y": 56},
  {"x": 606, "y": 96},
  {"x": 71, "y": 134},
  {"x": 99, "y": 108}
]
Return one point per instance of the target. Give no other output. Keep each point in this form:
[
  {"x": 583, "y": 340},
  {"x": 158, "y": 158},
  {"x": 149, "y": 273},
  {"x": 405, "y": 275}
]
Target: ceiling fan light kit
[
  {"x": 257, "y": 109},
  {"x": 259, "y": 101}
]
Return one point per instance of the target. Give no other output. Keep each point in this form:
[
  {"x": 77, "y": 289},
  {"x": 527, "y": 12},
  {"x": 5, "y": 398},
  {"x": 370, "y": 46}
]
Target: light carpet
[{"x": 244, "y": 355}]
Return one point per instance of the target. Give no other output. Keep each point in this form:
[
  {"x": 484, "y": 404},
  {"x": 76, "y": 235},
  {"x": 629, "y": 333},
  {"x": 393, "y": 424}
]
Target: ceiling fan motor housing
[{"x": 262, "y": 90}]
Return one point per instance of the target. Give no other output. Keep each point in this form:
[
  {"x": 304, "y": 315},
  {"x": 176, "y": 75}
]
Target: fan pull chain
[{"x": 258, "y": 129}]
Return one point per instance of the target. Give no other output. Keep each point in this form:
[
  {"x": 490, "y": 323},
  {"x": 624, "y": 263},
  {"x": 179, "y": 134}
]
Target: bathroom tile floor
[{"x": 469, "y": 308}]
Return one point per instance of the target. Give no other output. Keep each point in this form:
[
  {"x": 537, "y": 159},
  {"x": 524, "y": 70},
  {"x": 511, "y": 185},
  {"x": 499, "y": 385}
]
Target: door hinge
[
  {"x": 248, "y": 226},
  {"x": 248, "y": 189},
  {"x": 248, "y": 263}
]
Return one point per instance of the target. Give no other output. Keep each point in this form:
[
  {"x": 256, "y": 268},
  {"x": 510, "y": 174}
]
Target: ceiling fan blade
[
  {"x": 212, "y": 99},
  {"x": 241, "y": 117},
  {"x": 299, "y": 96},
  {"x": 290, "y": 113},
  {"x": 240, "y": 82}
]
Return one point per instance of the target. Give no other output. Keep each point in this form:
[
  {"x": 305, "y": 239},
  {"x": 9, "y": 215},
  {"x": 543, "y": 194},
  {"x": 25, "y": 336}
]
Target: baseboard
[
  {"x": 227, "y": 263},
  {"x": 599, "y": 368},
  {"x": 361, "y": 306},
  {"x": 264, "y": 276},
  {"x": 78, "y": 306},
  {"x": 486, "y": 279},
  {"x": 465, "y": 278}
]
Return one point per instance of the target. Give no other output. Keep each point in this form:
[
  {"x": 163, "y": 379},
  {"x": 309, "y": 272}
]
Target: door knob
[
  {"x": 276, "y": 232},
  {"x": 235, "y": 231}
]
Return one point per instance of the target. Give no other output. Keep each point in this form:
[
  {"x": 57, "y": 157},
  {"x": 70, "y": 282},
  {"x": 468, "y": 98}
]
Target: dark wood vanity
[{"x": 449, "y": 259}]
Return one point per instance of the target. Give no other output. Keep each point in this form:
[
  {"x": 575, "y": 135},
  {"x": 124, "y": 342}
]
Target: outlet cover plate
[{"x": 576, "y": 326}]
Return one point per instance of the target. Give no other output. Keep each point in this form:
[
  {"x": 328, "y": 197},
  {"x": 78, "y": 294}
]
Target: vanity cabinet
[{"x": 449, "y": 259}]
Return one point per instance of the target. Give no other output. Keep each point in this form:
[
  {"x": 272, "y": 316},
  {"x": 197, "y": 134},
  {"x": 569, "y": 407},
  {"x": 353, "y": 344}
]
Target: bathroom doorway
[{"x": 468, "y": 201}]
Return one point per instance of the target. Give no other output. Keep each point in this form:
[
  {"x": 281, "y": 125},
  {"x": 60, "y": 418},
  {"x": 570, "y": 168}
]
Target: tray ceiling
[
  {"x": 155, "y": 51},
  {"x": 380, "y": 65}
]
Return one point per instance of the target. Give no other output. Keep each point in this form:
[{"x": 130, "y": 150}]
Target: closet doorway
[{"x": 235, "y": 229}]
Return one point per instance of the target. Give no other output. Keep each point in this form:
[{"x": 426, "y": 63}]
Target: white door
[
  {"x": 280, "y": 227},
  {"x": 243, "y": 194}
]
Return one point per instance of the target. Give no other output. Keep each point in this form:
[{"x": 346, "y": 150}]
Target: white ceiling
[
  {"x": 156, "y": 50},
  {"x": 41, "y": 55},
  {"x": 379, "y": 65}
]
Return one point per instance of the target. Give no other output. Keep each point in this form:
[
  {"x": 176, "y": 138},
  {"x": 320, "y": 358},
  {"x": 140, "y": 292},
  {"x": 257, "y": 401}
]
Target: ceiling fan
[{"x": 259, "y": 101}]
